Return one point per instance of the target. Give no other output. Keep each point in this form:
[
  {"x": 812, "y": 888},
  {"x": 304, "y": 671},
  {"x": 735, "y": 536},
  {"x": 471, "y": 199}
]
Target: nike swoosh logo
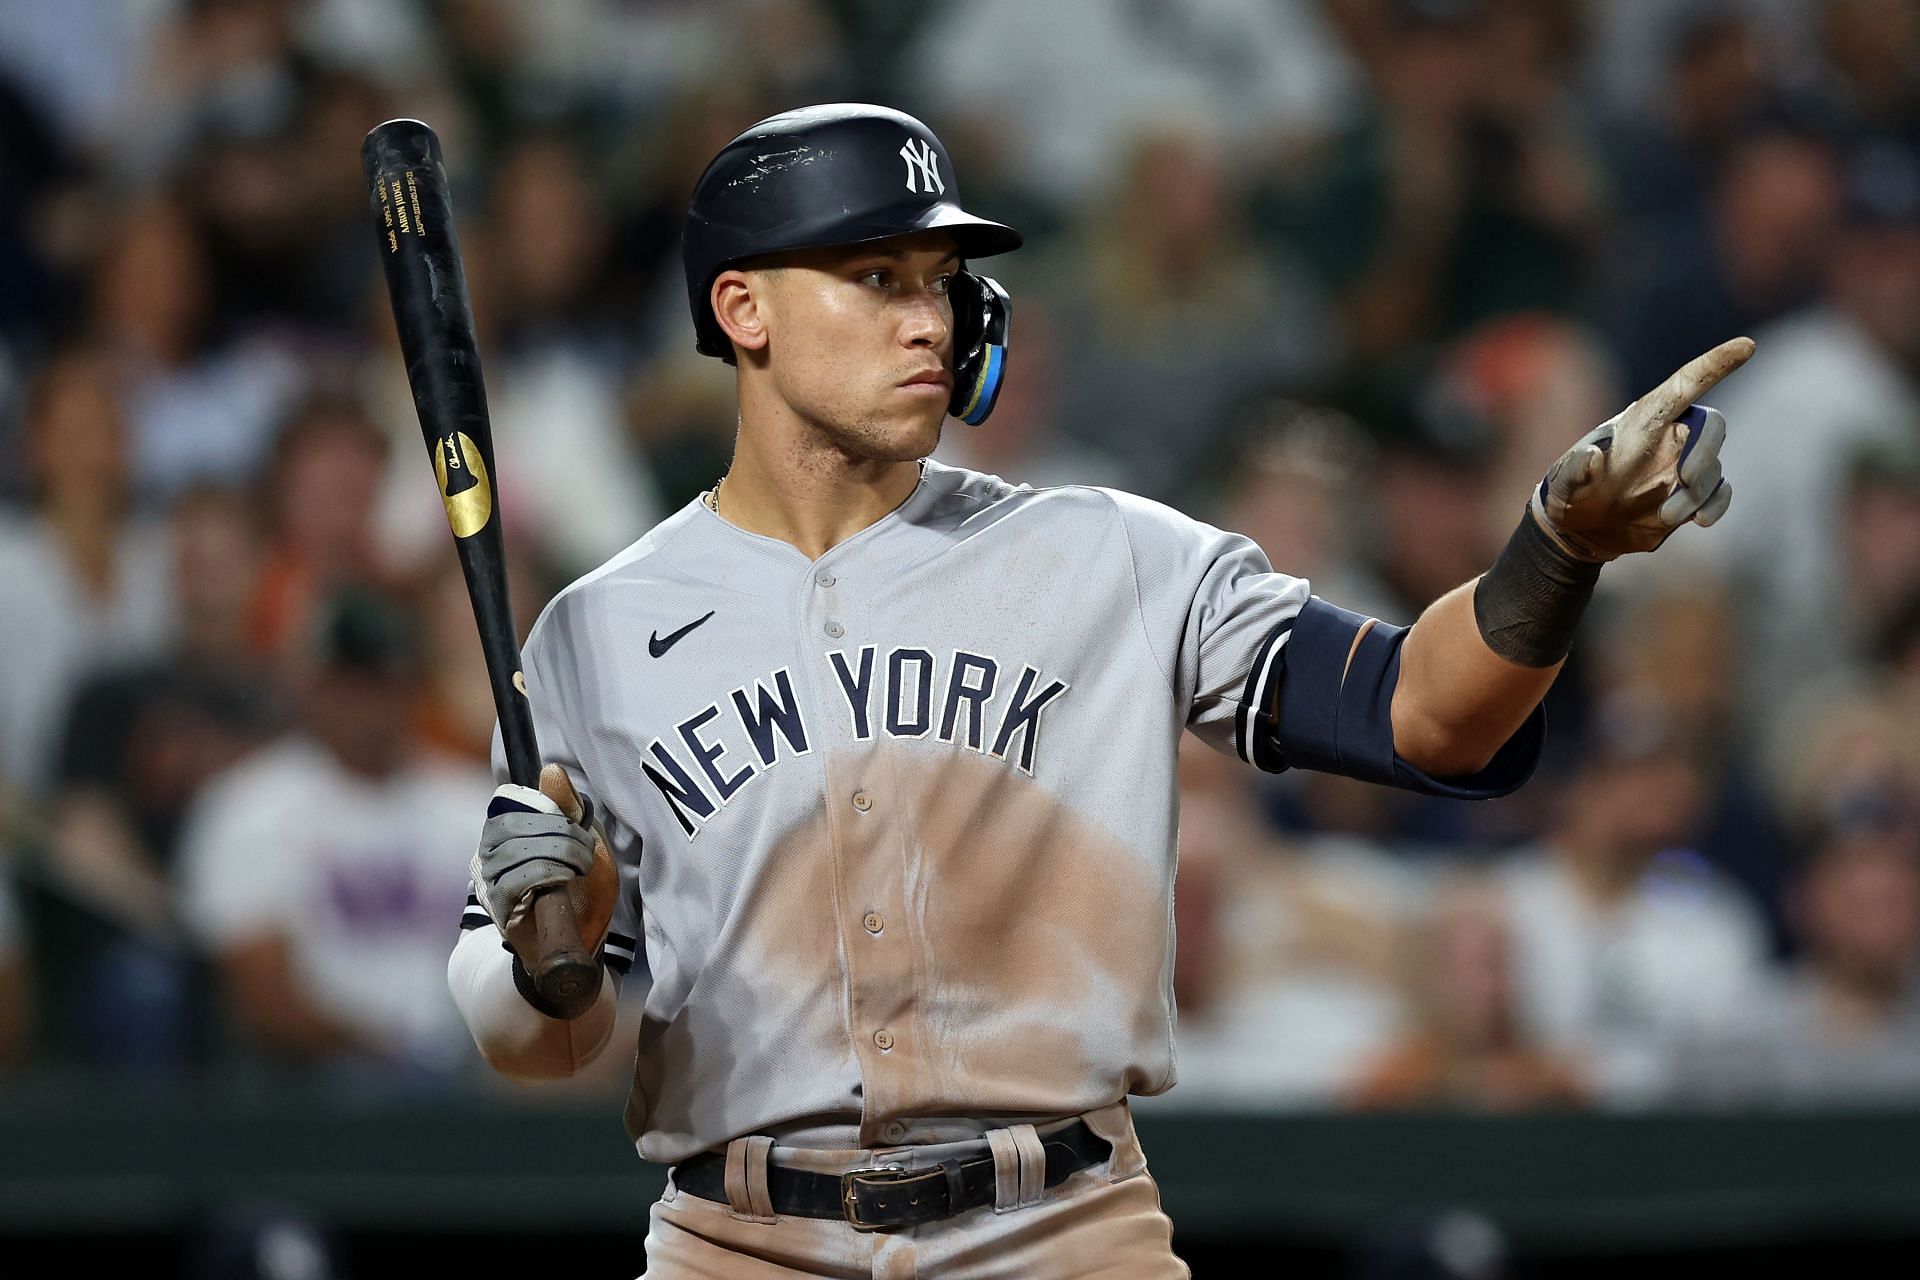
[{"x": 658, "y": 647}]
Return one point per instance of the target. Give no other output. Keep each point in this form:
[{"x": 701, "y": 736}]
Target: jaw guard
[{"x": 982, "y": 314}]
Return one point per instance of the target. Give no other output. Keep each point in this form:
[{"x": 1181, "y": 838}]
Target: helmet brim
[{"x": 975, "y": 237}]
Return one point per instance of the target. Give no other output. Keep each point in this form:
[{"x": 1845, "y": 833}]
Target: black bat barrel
[
  {"x": 413, "y": 208},
  {"x": 413, "y": 211}
]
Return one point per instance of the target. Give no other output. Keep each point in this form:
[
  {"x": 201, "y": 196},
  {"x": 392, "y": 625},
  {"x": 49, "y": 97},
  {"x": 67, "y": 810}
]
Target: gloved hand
[
  {"x": 1630, "y": 482},
  {"x": 534, "y": 839}
]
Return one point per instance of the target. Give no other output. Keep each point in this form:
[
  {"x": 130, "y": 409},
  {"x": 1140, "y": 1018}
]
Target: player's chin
[{"x": 911, "y": 436}]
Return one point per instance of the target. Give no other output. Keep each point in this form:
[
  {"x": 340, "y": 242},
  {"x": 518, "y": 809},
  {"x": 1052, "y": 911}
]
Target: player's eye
[
  {"x": 879, "y": 277},
  {"x": 941, "y": 285}
]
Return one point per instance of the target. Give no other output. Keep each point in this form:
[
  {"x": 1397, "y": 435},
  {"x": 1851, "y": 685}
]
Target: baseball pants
[{"x": 1103, "y": 1221}]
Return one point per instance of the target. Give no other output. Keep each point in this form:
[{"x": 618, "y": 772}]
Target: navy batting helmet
[{"x": 840, "y": 174}]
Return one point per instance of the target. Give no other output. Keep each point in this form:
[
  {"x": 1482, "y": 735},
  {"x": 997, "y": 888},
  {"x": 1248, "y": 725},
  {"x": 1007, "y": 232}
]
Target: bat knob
[{"x": 570, "y": 983}]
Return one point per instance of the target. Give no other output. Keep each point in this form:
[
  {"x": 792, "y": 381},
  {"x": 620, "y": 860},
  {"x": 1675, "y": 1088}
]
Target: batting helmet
[{"x": 847, "y": 173}]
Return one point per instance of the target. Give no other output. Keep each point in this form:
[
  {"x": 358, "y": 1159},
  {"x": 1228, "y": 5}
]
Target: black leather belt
[{"x": 869, "y": 1199}]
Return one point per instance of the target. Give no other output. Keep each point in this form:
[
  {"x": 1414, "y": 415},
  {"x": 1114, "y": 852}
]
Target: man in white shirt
[
  {"x": 1624, "y": 941},
  {"x": 1837, "y": 378},
  {"x": 320, "y": 871}
]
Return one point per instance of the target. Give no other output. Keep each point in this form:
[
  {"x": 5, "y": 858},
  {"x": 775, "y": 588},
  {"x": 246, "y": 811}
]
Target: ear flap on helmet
[{"x": 982, "y": 313}]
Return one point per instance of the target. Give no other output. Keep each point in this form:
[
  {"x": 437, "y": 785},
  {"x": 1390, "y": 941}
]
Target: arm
[
  {"x": 517, "y": 1040},
  {"x": 1483, "y": 655},
  {"x": 270, "y": 1006},
  {"x": 1457, "y": 700},
  {"x": 15, "y": 1016},
  {"x": 533, "y": 839}
]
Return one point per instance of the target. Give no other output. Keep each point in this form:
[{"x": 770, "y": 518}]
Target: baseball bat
[{"x": 413, "y": 216}]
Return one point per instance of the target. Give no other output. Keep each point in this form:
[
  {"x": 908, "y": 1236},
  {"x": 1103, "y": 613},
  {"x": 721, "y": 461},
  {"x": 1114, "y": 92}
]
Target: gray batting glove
[
  {"x": 1629, "y": 483},
  {"x": 526, "y": 845}
]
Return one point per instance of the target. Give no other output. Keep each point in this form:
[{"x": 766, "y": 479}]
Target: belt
[{"x": 890, "y": 1196}]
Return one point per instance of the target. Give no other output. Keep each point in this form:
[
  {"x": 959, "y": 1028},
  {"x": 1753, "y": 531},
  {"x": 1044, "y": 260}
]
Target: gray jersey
[{"x": 902, "y": 819}]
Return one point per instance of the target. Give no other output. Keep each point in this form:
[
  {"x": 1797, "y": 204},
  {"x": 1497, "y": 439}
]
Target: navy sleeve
[{"x": 1336, "y": 717}]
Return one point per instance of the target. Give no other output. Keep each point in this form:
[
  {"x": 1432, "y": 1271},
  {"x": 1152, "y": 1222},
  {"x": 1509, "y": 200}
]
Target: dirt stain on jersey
[{"x": 1000, "y": 953}]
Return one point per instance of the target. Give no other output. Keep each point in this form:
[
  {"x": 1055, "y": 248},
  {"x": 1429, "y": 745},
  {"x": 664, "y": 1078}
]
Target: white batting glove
[{"x": 526, "y": 845}]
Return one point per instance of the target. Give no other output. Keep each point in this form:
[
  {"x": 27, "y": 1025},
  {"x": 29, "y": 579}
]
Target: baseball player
[{"x": 875, "y": 757}]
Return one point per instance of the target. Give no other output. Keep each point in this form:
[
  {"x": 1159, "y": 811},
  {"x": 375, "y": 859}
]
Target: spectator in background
[
  {"x": 1285, "y": 974},
  {"x": 1467, "y": 1048},
  {"x": 1430, "y": 498},
  {"x": 319, "y": 496},
  {"x": 34, "y": 170},
  {"x": 1290, "y": 483},
  {"x": 1659, "y": 648},
  {"x": 1868, "y": 643},
  {"x": 1836, "y": 377},
  {"x": 1869, "y": 51},
  {"x": 453, "y": 707},
  {"x": 1020, "y": 441},
  {"x": 1064, "y": 87},
  {"x": 140, "y": 740},
  {"x": 569, "y": 476},
  {"x": 321, "y": 871},
  {"x": 226, "y": 59},
  {"x": 554, "y": 386},
  {"x": 85, "y": 576},
  {"x": 200, "y": 409},
  {"x": 1844, "y": 1027},
  {"x": 1751, "y": 251},
  {"x": 1535, "y": 382},
  {"x": 15, "y": 1004},
  {"x": 1426, "y": 502},
  {"x": 1175, "y": 313},
  {"x": 1699, "y": 73},
  {"x": 284, "y": 199},
  {"x": 1464, "y": 190},
  {"x": 1624, "y": 941}
]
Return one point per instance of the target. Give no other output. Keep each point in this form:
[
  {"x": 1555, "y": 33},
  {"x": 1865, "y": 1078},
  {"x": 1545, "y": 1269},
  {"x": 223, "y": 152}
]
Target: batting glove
[
  {"x": 1630, "y": 482},
  {"x": 533, "y": 840}
]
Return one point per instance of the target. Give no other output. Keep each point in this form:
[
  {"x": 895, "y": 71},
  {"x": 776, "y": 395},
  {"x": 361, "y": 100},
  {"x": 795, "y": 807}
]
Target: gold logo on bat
[{"x": 464, "y": 485}]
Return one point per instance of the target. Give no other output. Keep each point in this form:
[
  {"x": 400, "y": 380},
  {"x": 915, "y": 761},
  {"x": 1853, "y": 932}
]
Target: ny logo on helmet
[{"x": 922, "y": 161}]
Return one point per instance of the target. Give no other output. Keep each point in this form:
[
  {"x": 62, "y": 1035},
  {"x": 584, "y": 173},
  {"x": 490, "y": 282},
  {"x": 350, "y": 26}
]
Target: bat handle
[{"x": 563, "y": 973}]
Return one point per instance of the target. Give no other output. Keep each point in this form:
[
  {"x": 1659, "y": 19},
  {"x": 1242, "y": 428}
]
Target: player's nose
[{"x": 926, "y": 322}]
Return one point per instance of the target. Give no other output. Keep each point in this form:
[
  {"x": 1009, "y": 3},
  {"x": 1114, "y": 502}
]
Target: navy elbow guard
[{"x": 1336, "y": 709}]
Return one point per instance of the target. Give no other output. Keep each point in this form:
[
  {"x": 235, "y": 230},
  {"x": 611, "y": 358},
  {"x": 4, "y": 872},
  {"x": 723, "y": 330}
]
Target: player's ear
[{"x": 739, "y": 301}]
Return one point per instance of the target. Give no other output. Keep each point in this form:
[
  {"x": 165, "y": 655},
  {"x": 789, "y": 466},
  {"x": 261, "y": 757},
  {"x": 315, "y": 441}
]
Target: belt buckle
[{"x": 849, "y": 1208}]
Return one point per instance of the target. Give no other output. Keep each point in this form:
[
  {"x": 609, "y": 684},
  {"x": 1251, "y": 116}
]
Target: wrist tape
[{"x": 1528, "y": 605}]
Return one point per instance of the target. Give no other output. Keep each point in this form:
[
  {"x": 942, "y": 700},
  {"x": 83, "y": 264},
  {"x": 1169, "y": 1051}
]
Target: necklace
[{"x": 712, "y": 497}]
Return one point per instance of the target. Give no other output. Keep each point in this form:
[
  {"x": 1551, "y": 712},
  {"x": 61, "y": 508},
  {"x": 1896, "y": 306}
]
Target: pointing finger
[{"x": 1694, "y": 378}]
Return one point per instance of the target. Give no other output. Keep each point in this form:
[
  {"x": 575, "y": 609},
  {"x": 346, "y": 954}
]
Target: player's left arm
[{"x": 1482, "y": 656}]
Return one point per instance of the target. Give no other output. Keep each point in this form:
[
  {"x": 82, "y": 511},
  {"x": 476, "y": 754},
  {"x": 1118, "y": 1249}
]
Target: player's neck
[{"x": 808, "y": 494}]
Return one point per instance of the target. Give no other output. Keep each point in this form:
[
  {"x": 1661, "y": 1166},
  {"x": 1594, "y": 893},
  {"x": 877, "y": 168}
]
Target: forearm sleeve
[{"x": 517, "y": 1040}]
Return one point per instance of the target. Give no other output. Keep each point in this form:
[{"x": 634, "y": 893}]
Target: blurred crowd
[{"x": 1344, "y": 275}]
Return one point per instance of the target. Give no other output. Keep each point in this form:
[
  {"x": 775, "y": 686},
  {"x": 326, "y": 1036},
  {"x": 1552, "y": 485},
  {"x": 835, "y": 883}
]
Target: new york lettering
[{"x": 967, "y": 700}]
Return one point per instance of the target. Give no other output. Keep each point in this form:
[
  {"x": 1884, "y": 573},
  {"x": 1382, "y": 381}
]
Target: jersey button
[
  {"x": 824, "y": 578},
  {"x": 862, "y": 801},
  {"x": 834, "y": 630},
  {"x": 884, "y": 1039},
  {"x": 894, "y": 1132},
  {"x": 874, "y": 922}
]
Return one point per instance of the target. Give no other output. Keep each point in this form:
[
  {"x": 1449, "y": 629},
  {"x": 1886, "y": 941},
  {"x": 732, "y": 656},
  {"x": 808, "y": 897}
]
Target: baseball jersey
[{"x": 896, "y": 826}]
